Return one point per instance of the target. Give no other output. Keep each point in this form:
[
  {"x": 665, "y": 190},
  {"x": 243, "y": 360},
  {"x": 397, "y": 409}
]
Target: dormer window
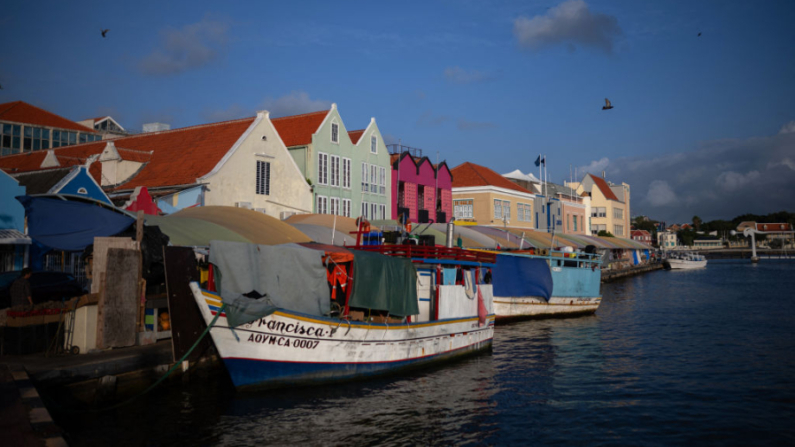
[
  {"x": 373, "y": 144},
  {"x": 335, "y": 133}
]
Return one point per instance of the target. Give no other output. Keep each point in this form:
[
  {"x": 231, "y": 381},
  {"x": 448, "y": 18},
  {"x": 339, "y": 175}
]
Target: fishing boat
[
  {"x": 301, "y": 314},
  {"x": 684, "y": 261},
  {"x": 546, "y": 283}
]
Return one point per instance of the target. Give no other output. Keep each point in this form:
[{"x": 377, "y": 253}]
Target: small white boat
[
  {"x": 299, "y": 332},
  {"x": 684, "y": 261}
]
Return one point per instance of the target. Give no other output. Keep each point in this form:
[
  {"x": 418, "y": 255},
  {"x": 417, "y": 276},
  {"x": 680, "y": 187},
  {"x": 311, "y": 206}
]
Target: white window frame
[
  {"x": 506, "y": 209},
  {"x": 382, "y": 181},
  {"x": 374, "y": 179},
  {"x": 322, "y": 168},
  {"x": 520, "y": 212},
  {"x": 334, "y": 205},
  {"x": 618, "y": 213},
  {"x": 335, "y": 170},
  {"x": 373, "y": 211},
  {"x": 497, "y": 209},
  {"x": 346, "y": 173},
  {"x": 346, "y": 207},
  {"x": 382, "y": 211},
  {"x": 322, "y": 205},
  {"x": 373, "y": 144},
  {"x": 365, "y": 210},
  {"x": 365, "y": 177},
  {"x": 335, "y": 132},
  {"x": 263, "y": 178}
]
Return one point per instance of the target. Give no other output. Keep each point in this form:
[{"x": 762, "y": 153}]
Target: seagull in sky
[
  {"x": 105, "y": 31},
  {"x": 699, "y": 35},
  {"x": 607, "y": 105}
]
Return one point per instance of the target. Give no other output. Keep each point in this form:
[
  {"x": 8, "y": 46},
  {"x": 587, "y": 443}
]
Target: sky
[{"x": 701, "y": 124}]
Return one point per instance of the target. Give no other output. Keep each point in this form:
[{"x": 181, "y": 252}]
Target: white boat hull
[
  {"x": 508, "y": 308},
  {"x": 683, "y": 264},
  {"x": 292, "y": 348}
]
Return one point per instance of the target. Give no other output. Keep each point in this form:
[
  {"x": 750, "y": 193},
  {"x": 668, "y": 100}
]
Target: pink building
[{"x": 422, "y": 190}]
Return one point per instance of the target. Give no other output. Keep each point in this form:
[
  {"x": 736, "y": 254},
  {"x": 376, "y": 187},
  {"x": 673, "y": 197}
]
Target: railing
[
  {"x": 395, "y": 149},
  {"x": 432, "y": 252}
]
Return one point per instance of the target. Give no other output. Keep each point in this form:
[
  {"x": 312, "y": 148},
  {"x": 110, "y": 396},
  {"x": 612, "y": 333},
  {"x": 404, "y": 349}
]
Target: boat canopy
[
  {"x": 384, "y": 283},
  {"x": 518, "y": 276},
  {"x": 286, "y": 276}
]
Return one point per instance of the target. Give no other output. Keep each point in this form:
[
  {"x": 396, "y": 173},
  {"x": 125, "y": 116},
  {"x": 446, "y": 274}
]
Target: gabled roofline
[
  {"x": 323, "y": 123},
  {"x": 260, "y": 116},
  {"x": 364, "y": 132}
]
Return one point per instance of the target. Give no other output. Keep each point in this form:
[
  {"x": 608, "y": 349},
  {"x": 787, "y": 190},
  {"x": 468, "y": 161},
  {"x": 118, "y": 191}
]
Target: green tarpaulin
[{"x": 384, "y": 283}]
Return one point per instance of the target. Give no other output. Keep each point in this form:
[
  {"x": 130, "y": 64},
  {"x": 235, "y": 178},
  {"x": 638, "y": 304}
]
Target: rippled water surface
[{"x": 703, "y": 357}]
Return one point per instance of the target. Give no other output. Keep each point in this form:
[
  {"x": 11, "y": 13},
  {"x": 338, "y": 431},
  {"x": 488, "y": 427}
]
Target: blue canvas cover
[
  {"x": 71, "y": 225},
  {"x": 517, "y": 276}
]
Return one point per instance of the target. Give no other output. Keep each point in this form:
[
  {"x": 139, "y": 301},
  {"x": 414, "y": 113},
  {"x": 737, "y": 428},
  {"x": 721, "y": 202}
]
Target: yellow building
[
  {"x": 483, "y": 197},
  {"x": 609, "y": 205}
]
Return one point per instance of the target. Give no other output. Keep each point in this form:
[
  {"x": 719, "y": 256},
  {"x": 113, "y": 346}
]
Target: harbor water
[{"x": 703, "y": 357}]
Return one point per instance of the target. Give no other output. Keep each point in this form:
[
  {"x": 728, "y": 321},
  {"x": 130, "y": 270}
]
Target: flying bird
[
  {"x": 607, "y": 105},
  {"x": 105, "y": 31},
  {"x": 699, "y": 35}
]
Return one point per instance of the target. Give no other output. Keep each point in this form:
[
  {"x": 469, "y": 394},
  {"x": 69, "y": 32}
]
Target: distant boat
[
  {"x": 684, "y": 261},
  {"x": 607, "y": 105}
]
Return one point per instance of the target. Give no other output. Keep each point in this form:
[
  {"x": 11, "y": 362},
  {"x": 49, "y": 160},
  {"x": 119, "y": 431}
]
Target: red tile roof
[
  {"x": 470, "y": 174},
  {"x": 355, "y": 135},
  {"x": 604, "y": 187},
  {"x": 22, "y": 112},
  {"x": 297, "y": 130},
  {"x": 178, "y": 157}
]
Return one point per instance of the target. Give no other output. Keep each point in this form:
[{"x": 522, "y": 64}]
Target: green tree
[
  {"x": 605, "y": 233},
  {"x": 696, "y": 222}
]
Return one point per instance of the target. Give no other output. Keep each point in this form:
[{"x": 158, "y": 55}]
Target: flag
[{"x": 540, "y": 161}]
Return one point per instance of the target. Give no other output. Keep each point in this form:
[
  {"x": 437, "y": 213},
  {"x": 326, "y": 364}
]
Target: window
[
  {"x": 322, "y": 168},
  {"x": 619, "y": 230},
  {"x": 334, "y": 205},
  {"x": 599, "y": 211},
  {"x": 373, "y": 144},
  {"x": 373, "y": 211},
  {"x": 498, "y": 209},
  {"x": 382, "y": 211},
  {"x": 335, "y": 170},
  {"x": 575, "y": 223},
  {"x": 520, "y": 212},
  {"x": 335, "y": 133},
  {"x": 374, "y": 179},
  {"x": 595, "y": 229},
  {"x": 506, "y": 209},
  {"x": 346, "y": 207},
  {"x": 27, "y": 141},
  {"x": 322, "y": 205},
  {"x": 346, "y": 173},
  {"x": 618, "y": 213},
  {"x": 365, "y": 182},
  {"x": 365, "y": 210},
  {"x": 263, "y": 178},
  {"x": 382, "y": 182},
  {"x": 528, "y": 213},
  {"x": 462, "y": 209}
]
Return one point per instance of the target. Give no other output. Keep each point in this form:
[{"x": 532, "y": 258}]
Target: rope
[{"x": 168, "y": 373}]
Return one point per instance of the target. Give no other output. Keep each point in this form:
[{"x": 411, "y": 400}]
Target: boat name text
[
  {"x": 283, "y": 341},
  {"x": 294, "y": 328}
]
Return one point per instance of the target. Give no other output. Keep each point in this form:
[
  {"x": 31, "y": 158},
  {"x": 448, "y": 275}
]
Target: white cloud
[
  {"x": 193, "y": 46},
  {"x": 595, "y": 168},
  {"x": 570, "y": 23},
  {"x": 234, "y": 111},
  {"x": 788, "y": 128},
  {"x": 785, "y": 162},
  {"x": 459, "y": 75},
  {"x": 660, "y": 194},
  {"x": 731, "y": 181},
  {"x": 295, "y": 103}
]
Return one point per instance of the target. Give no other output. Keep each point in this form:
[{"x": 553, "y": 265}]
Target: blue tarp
[
  {"x": 516, "y": 276},
  {"x": 70, "y": 225}
]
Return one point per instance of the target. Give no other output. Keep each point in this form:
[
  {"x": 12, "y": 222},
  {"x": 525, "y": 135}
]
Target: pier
[{"x": 611, "y": 275}]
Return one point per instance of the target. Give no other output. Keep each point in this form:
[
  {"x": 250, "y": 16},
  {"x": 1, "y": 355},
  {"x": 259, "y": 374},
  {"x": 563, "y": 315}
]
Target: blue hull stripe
[{"x": 250, "y": 372}]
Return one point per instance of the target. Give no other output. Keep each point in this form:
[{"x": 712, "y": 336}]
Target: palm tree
[{"x": 696, "y": 222}]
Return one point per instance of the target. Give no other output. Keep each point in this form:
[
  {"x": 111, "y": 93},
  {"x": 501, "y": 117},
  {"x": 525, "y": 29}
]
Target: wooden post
[{"x": 139, "y": 228}]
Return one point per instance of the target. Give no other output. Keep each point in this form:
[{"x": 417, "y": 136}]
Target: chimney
[{"x": 603, "y": 174}]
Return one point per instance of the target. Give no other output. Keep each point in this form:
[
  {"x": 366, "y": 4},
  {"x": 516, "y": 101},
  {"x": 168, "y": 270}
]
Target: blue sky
[{"x": 700, "y": 126}]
